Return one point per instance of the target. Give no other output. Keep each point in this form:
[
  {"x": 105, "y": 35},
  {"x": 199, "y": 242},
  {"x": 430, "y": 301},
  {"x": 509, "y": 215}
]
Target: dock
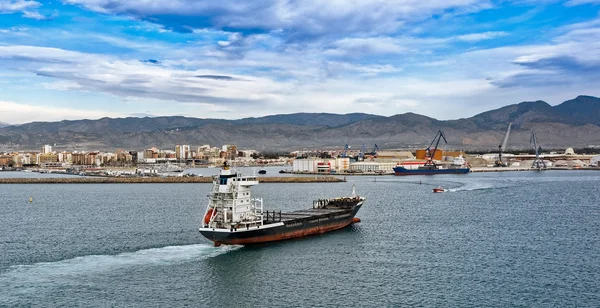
[{"x": 500, "y": 169}]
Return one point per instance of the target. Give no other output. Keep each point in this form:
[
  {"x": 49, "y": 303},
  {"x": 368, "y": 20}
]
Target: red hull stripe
[{"x": 285, "y": 236}]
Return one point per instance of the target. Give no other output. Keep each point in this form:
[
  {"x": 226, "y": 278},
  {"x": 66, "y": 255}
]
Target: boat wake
[
  {"x": 23, "y": 279},
  {"x": 473, "y": 186}
]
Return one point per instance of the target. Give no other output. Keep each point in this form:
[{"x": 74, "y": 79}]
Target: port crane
[
  {"x": 374, "y": 152},
  {"x": 538, "y": 163},
  {"x": 429, "y": 153},
  {"x": 361, "y": 154},
  {"x": 502, "y": 148},
  {"x": 345, "y": 153}
]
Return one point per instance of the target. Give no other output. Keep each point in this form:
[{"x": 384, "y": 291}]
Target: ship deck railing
[
  {"x": 303, "y": 215},
  {"x": 272, "y": 216},
  {"x": 337, "y": 202}
]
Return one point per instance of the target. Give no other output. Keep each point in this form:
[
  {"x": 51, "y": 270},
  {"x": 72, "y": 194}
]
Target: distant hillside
[
  {"x": 518, "y": 114},
  {"x": 110, "y": 125},
  {"x": 314, "y": 119},
  {"x": 3, "y": 124},
  {"x": 581, "y": 110},
  {"x": 572, "y": 123}
]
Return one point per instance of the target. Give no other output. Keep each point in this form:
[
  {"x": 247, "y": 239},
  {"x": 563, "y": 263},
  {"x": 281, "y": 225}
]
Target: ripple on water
[{"x": 498, "y": 240}]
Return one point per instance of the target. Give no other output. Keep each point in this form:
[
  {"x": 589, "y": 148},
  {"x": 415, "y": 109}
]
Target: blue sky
[{"x": 447, "y": 59}]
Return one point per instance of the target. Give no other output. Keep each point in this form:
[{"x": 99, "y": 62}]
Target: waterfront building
[
  {"x": 140, "y": 156},
  {"x": 178, "y": 151},
  {"x": 86, "y": 159},
  {"x": 595, "y": 161},
  {"x": 182, "y": 152},
  {"x": 6, "y": 160},
  {"x": 391, "y": 155},
  {"x": 148, "y": 153},
  {"x": 46, "y": 148},
  {"x": 320, "y": 165},
  {"x": 384, "y": 167}
]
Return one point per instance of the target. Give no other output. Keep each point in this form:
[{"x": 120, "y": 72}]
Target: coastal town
[
  {"x": 155, "y": 161},
  {"x": 149, "y": 161}
]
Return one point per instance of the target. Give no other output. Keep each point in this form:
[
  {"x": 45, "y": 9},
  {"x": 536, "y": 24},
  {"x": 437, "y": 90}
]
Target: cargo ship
[
  {"x": 458, "y": 166},
  {"x": 233, "y": 217},
  {"x": 432, "y": 168}
]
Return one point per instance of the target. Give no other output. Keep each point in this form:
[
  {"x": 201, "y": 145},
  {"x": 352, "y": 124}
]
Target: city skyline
[{"x": 76, "y": 59}]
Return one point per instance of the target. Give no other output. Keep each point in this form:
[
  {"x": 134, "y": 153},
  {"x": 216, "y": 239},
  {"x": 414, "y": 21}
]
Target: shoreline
[
  {"x": 508, "y": 169},
  {"x": 473, "y": 170},
  {"x": 160, "y": 180}
]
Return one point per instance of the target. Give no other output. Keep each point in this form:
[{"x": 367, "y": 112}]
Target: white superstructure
[
  {"x": 459, "y": 161},
  {"x": 230, "y": 204}
]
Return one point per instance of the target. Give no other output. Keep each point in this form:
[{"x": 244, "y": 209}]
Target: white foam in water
[
  {"x": 25, "y": 278},
  {"x": 473, "y": 186}
]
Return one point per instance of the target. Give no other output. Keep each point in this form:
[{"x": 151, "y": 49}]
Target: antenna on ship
[{"x": 353, "y": 190}]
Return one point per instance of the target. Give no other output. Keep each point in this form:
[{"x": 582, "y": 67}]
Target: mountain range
[
  {"x": 573, "y": 123},
  {"x": 2, "y": 124}
]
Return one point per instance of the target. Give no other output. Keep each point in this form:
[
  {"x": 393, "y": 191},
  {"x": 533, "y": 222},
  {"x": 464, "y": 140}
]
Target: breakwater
[{"x": 137, "y": 180}]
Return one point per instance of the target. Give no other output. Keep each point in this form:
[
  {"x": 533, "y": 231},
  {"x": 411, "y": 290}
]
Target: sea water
[{"x": 493, "y": 240}]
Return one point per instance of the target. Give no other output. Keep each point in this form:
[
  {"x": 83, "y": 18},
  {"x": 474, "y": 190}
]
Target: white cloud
[
  {"x": 356, "y": 47},
  {"x": 14, "y": 30},
  {"x": 34, "y": 15},
  {"x": 61, "y": 85},
  {"x": 386, "y": 45},
  {"x": 341, "y": 68},
  {"x": 251, "y": 75},
  {"x": 131, "y": 78},
  {"x": 580, "y": 2},
  {"x": 565, "y": 67},
  {"x": 218, "y": 93},
  {"x": 17, "y": 113},
  {"x": 298, "y": 20},
  {"x": 474, "y": 37},
  {"x": 25, "y": 6},
  {"x": 130, "y": 44},
  {"x": 11, "y": 6}
]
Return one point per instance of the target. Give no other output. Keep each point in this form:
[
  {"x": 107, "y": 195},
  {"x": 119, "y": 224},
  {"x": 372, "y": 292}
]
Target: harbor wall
[{"x": 137, "y": 180}]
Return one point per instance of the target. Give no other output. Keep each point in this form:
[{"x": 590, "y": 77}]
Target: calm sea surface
[{"x": 495, "y": 240}]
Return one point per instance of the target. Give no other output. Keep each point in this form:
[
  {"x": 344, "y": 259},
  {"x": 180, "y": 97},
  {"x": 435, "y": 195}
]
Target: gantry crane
[
  {"x": 361, "y": 154},
  {"x": 345, "y": 153},
  {"x": 538, "y": 163},
  {"x": 502, "y": 148},
  {"x": 374, "y": 152},
  {"x": 438, "y": 136}
]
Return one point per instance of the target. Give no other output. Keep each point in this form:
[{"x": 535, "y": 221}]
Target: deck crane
[
  {"x": 538, "y": 163},
  {"x": 502, "y": 148},
  {"x": 429, "y": 153}
]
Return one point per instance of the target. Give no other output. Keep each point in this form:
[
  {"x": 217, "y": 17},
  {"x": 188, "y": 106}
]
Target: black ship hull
[{"x": 282, "y": 226}]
